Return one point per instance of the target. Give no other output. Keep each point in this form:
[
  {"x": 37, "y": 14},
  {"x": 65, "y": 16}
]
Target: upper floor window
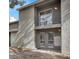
[{"x": 45, "y": 17}]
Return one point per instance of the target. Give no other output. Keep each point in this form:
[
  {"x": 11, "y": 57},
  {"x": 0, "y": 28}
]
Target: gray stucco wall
[
  {"x": 25, "y": 36},
  {"x": 57, "y": 39},
  {"x": 12, "y": 38},
  {"x": 13, "y": 26},
  {"x": 65, "y": 19},
  {"x": 13, "y": 29}
]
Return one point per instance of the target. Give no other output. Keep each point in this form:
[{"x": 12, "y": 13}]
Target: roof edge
[
  {"x": 29, "y": 5},
  {"x": 14, "y": 22}
]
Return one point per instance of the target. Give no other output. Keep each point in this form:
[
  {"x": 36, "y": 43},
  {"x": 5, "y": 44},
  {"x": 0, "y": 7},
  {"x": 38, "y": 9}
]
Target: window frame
[
  {"x": 49, "y": 9},
  {"x": 50, "y": 39}
]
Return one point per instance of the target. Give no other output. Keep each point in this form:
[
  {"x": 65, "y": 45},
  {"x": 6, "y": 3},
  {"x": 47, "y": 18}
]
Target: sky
[{"x": 14, "y": 14}]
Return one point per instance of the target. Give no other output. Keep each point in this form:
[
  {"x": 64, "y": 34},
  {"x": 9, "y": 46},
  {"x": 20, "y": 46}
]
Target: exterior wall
[
  {"x": 25, "y": 35},
  {"x": 13, "y": 26},
  {"x": 65, "y": 12},
  {"x": 12, "y": 37},
  {"x": 13, "y": 29},
  {"x": 57, "y": 39}
]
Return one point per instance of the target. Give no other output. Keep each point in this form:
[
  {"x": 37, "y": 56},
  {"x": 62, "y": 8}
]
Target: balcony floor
[{"x": 53, "y": 26}]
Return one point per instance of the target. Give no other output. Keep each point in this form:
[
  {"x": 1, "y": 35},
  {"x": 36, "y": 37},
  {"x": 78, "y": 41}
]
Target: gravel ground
[{"x": 34, "y": 54}]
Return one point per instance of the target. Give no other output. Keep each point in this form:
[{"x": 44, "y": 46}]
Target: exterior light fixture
[{"x": 55, "y": 8}]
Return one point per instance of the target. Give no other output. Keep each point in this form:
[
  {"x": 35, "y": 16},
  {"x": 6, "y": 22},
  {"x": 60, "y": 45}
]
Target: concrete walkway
[{"x": 35, "y": 54}]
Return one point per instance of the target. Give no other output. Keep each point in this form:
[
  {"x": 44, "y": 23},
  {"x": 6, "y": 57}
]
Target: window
[
  {"x": 42, "y": 41},
  {"x": 50, "y": 39},
  {"x": 45, "y": 17},
  {"x": 46, "y": 40},
  {"x": 50, "y": 35}
]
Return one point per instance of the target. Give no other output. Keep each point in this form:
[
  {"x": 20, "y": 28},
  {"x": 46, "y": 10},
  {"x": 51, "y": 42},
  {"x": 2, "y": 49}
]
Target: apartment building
[{"x": 44, "y": 25}]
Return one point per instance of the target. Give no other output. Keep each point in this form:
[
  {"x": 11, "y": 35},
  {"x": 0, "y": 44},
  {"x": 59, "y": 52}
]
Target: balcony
[{"x": 48, "y": 19}]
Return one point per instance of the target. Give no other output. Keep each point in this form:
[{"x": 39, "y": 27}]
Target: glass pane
[
  {"x": 45, "y": 17},
  {"x": 42, "y": 41},
  {"x": 50, "y": 42},
  {"x": 50, "y": 36}
]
